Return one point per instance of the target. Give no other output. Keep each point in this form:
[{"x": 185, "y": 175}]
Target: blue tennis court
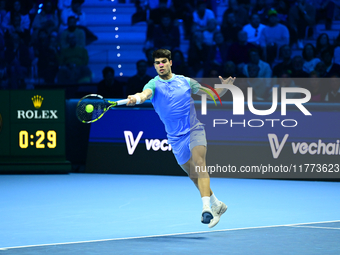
[{"x": 145, "y": 214}]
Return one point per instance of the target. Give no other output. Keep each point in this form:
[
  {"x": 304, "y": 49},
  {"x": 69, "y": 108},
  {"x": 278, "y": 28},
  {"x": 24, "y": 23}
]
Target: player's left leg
[
  {"x": 198, "y": 170},
  {"x": 195, "y": 167},
  {"x": 203, "y": 180},
  {"x": 194, "y": 177},
  {"x": 189, "y": 168},
  {"x": 203, "y": 184},
  {"x": 217, "y": 207}
]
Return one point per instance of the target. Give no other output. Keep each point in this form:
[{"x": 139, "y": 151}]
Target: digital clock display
[
  {"x": 40, "y": 137},
  {"x": 37, "y": 140}
]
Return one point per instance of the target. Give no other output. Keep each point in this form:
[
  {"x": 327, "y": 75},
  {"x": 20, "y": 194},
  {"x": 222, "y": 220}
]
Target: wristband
[{"x": 137, "y": 99}]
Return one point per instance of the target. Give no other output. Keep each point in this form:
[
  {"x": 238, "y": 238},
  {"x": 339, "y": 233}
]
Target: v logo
[
  {"x": 274, "y": 144},
  {"x": 131, "y": 143}
]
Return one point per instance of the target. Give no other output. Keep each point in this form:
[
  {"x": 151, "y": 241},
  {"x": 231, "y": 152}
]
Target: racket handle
[{"x": 124, "y": 101}]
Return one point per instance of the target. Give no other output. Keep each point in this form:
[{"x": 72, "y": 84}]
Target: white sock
[
  {"x": 213, "y": 200},
  {"x": 206, "y": 201}
]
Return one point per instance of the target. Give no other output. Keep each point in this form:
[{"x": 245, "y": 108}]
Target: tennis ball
[{"x": 89, "y": 108}]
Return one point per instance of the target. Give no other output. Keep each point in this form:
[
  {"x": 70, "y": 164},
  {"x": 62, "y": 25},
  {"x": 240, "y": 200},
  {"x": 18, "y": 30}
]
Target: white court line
[
  {"x": 314, "y": 227},
  {"x": 176, "y": 234}
]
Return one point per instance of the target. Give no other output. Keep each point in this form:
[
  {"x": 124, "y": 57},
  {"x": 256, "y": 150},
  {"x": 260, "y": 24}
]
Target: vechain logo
[
  {"x": 302, "y": 147},
  {"x": 275, "y": 145},
  {"x": 154, "y": 144}
]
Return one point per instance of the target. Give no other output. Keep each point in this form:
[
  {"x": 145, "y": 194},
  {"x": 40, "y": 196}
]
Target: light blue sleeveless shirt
[{"x": 173, "y": 103}]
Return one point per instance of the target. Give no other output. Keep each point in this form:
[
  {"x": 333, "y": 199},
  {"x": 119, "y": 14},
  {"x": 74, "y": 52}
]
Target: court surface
[{"x": 130, "y": 214}]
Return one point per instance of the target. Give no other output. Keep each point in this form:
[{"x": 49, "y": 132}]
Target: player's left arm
[{"x": 220, "y": 91}]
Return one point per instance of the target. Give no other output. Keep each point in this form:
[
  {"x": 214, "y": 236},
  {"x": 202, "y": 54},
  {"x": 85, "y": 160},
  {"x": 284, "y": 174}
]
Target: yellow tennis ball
[{"x": 89, "y": 108}]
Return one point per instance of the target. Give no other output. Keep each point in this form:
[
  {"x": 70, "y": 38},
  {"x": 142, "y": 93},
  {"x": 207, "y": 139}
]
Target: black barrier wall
[{"x": 77, "y": 137}]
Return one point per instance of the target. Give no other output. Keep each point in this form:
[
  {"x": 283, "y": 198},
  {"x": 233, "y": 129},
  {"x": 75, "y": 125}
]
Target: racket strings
[{"x": 99, "y": 107}]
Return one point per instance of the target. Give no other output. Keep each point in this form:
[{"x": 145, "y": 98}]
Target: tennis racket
[{"x": 92, "y": 107}]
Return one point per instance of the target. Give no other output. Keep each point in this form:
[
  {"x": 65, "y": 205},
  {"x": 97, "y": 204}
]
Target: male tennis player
[{"x": 170, "y": 95}]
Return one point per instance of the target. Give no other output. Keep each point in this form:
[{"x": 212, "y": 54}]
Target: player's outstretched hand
[
  {"x": 132, "y": 101},
  {"x": 229, "y": 80}
]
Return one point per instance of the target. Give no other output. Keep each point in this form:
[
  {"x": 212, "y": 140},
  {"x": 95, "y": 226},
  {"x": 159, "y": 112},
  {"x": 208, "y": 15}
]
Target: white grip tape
[
  {"x": 124, "y": 101},
  {"x": 137, "y": 99}
]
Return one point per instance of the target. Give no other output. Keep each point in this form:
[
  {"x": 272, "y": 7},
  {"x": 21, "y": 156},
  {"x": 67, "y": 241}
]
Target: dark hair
[
  {"x": 254, "y": 14},
  {"x": 107, "y": 70},
  {"x": 318, "y": 46},
  {"x": 256, "y": 50},
  {"x": 141, "y": 61},
  {"x": 199, "y": 2},
  {"x": 161, "y": 53},
  {"x": 77, "y": 1},
  {"x": 45, "y": 3},
  {"x": 71, "y": 17},
  {"x": 12, "y": 4},
  {"x": 228, "y": 63},
  {"x": 281, "y": 49},
  {"x": 177, "y": 50},
  {"x": 304, "y": 50}
]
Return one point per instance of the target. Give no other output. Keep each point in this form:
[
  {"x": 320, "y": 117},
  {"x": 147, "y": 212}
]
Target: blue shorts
[{"x": 183, "y": 145}]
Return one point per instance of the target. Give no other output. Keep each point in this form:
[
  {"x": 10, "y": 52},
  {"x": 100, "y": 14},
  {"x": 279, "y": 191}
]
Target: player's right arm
[
  {"x": 148, "y": 91},
  {"x": 142, "y": 96}
]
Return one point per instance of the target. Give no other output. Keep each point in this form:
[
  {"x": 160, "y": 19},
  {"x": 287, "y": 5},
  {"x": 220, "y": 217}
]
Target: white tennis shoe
[
  {"x": 207, "y": 215},
  {"x": 217, "y": 213}
]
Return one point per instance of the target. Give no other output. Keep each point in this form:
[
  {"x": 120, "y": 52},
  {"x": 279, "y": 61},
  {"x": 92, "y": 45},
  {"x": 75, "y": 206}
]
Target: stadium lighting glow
[{"x": 116, "y": 36}]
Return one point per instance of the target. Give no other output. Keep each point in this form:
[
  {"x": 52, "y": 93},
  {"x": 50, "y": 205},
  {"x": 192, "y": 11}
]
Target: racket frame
[{"x": 112, "y": 104}]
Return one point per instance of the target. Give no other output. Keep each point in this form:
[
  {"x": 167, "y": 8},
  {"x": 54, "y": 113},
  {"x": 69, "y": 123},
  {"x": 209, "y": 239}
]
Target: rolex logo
[{"x": 37, "y": 101}]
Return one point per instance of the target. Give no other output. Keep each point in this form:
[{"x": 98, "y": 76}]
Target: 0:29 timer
[{"x": 26, "y": 139}]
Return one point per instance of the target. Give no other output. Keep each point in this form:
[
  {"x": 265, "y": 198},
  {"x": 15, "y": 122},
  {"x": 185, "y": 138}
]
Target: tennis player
[{"x": 170, "y": 95}]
